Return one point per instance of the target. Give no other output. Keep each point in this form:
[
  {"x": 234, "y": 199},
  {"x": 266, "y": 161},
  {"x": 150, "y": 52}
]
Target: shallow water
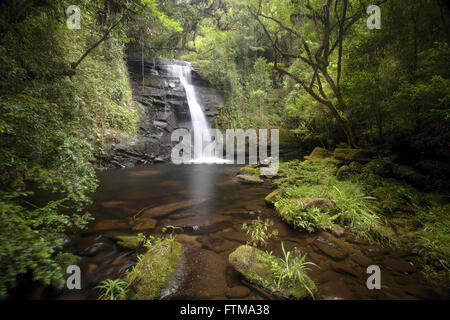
[{"x": 212, "y": 230}]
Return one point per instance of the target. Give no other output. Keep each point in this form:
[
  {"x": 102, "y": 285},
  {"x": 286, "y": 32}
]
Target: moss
[
  {"x": 358, "y": 155},
  {"x": 270, "y": 198},
  {"x": 257, "y": 267},
  {"x": 253, "y": 179},
  {"x": 129, "y": 242},
  {"x": 319, "y": 153},
  {"x": 249, "y": 170},
  {"x": 380, "y": 166},
  {"x": 154, "y": 270}
]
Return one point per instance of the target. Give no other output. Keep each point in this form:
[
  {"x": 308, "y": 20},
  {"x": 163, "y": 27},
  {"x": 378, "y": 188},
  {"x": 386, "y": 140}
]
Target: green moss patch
[
  {"x": 261, "y": 268},
  {"x": 154, "y": 270},
  {"x": 129, "y": 242},
  {"x": 249, "y": 170}
]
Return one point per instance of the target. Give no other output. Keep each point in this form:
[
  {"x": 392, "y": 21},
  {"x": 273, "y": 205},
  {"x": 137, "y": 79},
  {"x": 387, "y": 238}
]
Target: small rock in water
[
  {"x": 145, "y": 224},
  {"x": 249, "y": 179},
  {"x": 329, "y": 248},
  {"x": 238, "y": 292},
  {"x": 337, "y": 231}
]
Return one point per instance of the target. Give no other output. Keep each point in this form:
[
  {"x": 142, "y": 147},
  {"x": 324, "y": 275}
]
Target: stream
[{"x": 211, "y": 230}]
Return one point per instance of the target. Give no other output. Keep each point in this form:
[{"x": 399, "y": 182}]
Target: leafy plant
[
  {"x": 290, "y": 271},
  {"x": 259, "y": 231},
  {"x": 113, "y": 289}
]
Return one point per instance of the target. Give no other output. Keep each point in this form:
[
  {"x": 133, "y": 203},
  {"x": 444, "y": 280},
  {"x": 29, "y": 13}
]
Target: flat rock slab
[
  {"x": 248, "y": 179},
  {"x": 171, "y": 207},
  {"x": 110, "y": 224},
  {"x": 399, "y": 265},
  {"x": 201, "y": 224},
  {"x": 144, "y": 224},
  {"x": 115, "y": 204},
  {"x": 329, "y": 248}
]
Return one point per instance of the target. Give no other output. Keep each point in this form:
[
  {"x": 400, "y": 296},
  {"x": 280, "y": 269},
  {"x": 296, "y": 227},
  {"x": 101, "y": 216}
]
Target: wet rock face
[
  {"x": 163, "y": 107},
  {"x": 164, "y": 96}
]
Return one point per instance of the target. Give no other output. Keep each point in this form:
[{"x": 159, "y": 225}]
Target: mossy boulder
[
  {"x": 323, "y": 204},
  {"x": 129, "y": 242},
  {"x": 249, "y": 170},
  {"x": 381, "y": 166},
  {"x": 349, "y": 155},
  {"x": 154, "y": 270},
  {"x": 270, "y": 198},
  {"x": 256, "y": 267},
  {"x": 249, "y": 179},
  {"x": 343, "y": 172},
  {"x": 323, "y": 157},
  {"x": 356, "y": 166},
  {"x": 319, "y": 153}
]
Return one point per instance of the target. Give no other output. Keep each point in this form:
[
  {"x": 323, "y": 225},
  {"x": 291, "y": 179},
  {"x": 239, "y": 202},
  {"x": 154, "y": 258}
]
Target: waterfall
[{"x": 199, "y": 122}]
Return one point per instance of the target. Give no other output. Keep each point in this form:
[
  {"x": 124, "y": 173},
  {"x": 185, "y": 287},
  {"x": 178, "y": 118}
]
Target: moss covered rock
[
  {"x": 154, "y": 270},
  {"x": 342, "y": 172},
  {"x": 270, "y": 198},
  {"x": 380, "y": 166},
  {"x": 249, "y": 170},
  {"x": 256, "y": 267},
  {"x": 319, "y": 153},
  {"x": 129, "y": 242},
  {"x": 349, "y": 155},
  {"x": 249, "y": 179}
]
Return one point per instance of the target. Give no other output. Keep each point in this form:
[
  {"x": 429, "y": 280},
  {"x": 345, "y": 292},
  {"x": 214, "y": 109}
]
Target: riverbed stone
[
  {"x": 400, "y": 265},
  {"x": 110, "y": 224},
  {"x": 171, "y": 207},
  {"x": 360, "y": 259},
  {"x": 238, "y": 292},
  {"x": 346, "y": 269},
  {"x": 337, "y": 230},
  {"x": 144, "y": 224},
  {"x": 249, "y": 179},
  {"x": 329, "y": 248}
]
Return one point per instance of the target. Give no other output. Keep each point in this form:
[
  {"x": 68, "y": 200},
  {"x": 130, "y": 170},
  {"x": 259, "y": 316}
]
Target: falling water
[{"x": 199, "y": 123}]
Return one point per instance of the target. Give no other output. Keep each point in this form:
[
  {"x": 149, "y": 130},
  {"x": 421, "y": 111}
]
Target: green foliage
[
  {"x": 113, "y": 289},
  {"x": 315, "y": 179},
  {"x": 433, "y": 236},
  {"x": 259, "y": 231},
  {"x": 50, "y": 117},
  {"x": 290, "y": 271}
]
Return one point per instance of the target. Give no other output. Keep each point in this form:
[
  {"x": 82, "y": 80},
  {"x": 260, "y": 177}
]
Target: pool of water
[{"x": 211, "y": 230}]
